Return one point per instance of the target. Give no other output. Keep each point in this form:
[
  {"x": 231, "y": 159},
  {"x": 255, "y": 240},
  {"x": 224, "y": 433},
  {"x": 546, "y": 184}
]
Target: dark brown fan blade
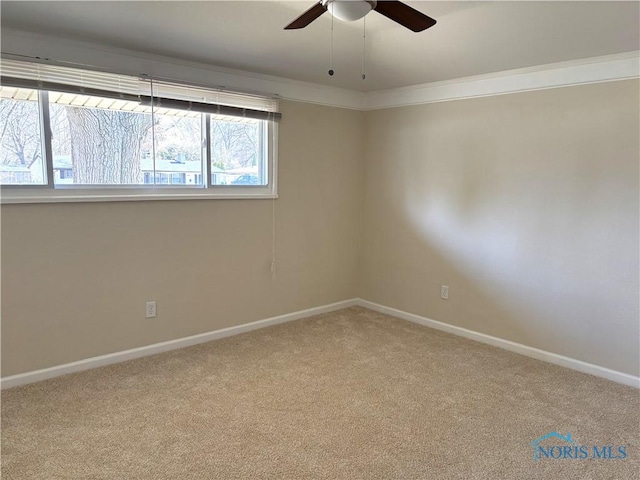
[
  {"x": 307, "y": 17},
  {"x": 405, "y": 15}
]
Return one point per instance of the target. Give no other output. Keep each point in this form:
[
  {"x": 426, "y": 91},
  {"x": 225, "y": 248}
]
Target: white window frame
[{"x": 51, "y": 193}]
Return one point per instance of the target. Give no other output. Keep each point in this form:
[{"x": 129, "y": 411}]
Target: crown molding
[
  {"x": 91, "y": 55},
  {"x": 607, "y": 68}
]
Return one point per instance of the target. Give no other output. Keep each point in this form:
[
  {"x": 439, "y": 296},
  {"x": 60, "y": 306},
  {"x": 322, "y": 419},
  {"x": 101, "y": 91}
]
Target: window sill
[{"x": 18, "y": 196}]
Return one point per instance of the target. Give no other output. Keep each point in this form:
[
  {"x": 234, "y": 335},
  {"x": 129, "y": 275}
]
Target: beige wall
[
  {"x": 75, "y": 277},
  {"x": 526, "y": 205}
]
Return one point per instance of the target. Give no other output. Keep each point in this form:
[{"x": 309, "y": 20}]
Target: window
[
  {"x": 21, "y": 159},
  {"x": 179, "y": 148},
  {"x": 76, "y": 134},
  {"x": 237, "y": 156},
  {"x": 98, "y": 141}
]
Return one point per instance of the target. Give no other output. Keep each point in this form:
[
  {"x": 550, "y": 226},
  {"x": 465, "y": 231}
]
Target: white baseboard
[
  {"x": 525, "y": 350},
  {"x": 117, "y": 357}
]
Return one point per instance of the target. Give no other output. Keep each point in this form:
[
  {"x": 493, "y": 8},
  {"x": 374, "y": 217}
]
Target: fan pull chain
[
  {"x": 364, "y": 44},
  {"x": 331, "y": 45}
]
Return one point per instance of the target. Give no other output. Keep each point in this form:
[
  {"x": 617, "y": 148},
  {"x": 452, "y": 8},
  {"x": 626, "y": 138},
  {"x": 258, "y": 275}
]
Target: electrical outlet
[
  {"x": 444, "y": 292},
  {"x": 151, "y": 310}
]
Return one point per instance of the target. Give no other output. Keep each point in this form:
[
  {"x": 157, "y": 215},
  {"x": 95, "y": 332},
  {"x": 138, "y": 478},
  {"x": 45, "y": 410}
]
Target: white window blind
[
  {"x": 164, "y": 89},
  {"x": 43, "y": 76},
  {"x": 143, "y": 89}
]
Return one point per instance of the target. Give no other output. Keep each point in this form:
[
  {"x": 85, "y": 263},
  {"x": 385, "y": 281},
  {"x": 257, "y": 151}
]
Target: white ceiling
[{"x": 470, "y": 38}]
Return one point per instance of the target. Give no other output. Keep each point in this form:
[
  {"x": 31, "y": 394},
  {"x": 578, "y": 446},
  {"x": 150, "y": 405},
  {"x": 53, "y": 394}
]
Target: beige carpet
[{"x": 348, "y": 395}]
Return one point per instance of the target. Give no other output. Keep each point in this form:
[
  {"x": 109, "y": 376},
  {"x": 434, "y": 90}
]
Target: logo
[{"x": 564, "y": 447}]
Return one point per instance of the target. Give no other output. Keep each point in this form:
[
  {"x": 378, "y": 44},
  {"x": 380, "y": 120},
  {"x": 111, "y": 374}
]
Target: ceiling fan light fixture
[{"x": 349, "y": 10}]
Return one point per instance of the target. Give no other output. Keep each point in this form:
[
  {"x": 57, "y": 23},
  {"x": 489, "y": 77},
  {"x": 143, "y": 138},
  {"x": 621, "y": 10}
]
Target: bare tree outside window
[
  {"x": 235, "y": 152},
  {"x": 21, "y": 159},
  {"x": 98, "y": 145},
  {"x": 178, "y": 148}
]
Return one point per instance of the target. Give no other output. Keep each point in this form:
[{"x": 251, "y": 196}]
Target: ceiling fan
[{"x": 350, "y": 10}]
